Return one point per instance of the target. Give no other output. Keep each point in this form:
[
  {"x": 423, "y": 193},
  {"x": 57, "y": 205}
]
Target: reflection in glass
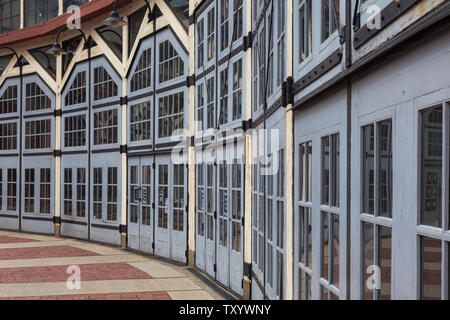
[{"x": 431, "y": 167}]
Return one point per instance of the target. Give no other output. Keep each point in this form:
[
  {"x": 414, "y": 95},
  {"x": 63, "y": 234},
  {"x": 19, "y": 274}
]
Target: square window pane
[{"x": 431, "y": 268}]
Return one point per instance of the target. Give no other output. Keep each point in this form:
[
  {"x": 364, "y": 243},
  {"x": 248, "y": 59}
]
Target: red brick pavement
[
  {"x": 44, "y": 252},
  {"x": 89, "y": 272},
  {"x": 160, "y": 295},
  {"x": 9, "y": 239}
]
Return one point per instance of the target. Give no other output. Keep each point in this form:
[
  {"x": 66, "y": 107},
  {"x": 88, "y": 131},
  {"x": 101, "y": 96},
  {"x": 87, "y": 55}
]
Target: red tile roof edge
[{"x": 90, "y": 10}]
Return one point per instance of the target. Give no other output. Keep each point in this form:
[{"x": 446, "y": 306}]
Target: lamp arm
[{"x": 13, "y": 51}]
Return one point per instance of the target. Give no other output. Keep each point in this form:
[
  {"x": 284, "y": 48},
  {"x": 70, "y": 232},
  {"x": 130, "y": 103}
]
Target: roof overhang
[{"x": 89, "y": 10}]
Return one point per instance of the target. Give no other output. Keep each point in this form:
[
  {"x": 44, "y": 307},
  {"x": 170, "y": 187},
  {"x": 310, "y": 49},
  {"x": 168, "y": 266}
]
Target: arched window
[
  {"x": 8, "y": 101},
  {"x": 36, "y": 99},
  {"x": 143, "y": 75},
  {"x": 170, "y": 65},
  {"x": 77, "y": 91},
  {"x": 104, "y": 85}
]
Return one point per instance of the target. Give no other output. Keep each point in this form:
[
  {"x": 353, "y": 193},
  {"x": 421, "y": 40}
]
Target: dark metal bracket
[
  {"x": 389, "y": 14},
  {"x": 247, "y": 41},
  {"x": 326, "y": 65},
  {"x": 190, "y": 81},
  {"x": 123, "y": 228}
]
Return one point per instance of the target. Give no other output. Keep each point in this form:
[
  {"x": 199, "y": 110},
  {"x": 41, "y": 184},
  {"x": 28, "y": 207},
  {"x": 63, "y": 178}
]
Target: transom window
[
  {"x": 305, "y": 29},
  {"x": 434, "y": 217},
  {"x": 105, "y": 127},
  {"x": 38, "y": 134},
  {"x": 170, "y": 66},
  {"x": 237, "y": 90},
  {"x": 281, "y": 42},
  {"x": 104, "y": 85},
  {"x": 171, "y": 114},
  {"x": 330, "y": 248},
  {"x": 211, "y": 33},
  {"x": 238, "y": 17},
  {"x": 200, "y": 42},
  {"x": 77, "y": 91},
  {"x": 224, "y": 28},
  {"x": 8, "y": 136},
  {"x": 304, "y": 246},
  {"x": 75, "y": 131},
  {"x": 140, "y": 122},
  {"x": 36, "y": 99},
  {"x": 8, "y": 101},
  {"x": 330, "y": 17},
  {"x": 142, "y": 77},
  {"x": 376, "y": 208}
]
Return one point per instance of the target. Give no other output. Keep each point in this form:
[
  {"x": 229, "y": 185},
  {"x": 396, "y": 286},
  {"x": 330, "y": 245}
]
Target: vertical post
[
  {"x": 289, "y": 138},
  {"x": 60, "y": 7},
  {"x": 22, "y": 14},
  {"x": 57, "y": 174},
  {"x": 191, "y": 149},
  {"x": 248, "y": 164},
  {"x": 123, "y": 234}
]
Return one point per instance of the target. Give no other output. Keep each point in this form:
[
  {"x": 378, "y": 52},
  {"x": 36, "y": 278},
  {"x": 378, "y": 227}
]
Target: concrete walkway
[{"x": 39, "y": 267}]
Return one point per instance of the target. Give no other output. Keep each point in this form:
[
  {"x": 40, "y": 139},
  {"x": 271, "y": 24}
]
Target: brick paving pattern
[
  {"x": 9, "y": 239},
  {"x": 89, "y": 272},
  {"x": 44, "y": 252},
  {"x": 109, "y": 296}
]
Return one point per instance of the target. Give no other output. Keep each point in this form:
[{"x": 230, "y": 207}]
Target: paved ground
[{"x": 36, "y": 267}]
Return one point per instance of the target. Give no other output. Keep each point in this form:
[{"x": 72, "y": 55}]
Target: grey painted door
[
  {"x": 211, "y": 236},
  {"x": 74, "y": 206},
  {"x": 37, "y": 196},
  {"x": 140, "y": 217},
  {"x": 9, "y": 192},
  {"x": 170, "y": 228},
  {"x": 229, "y": 226}
]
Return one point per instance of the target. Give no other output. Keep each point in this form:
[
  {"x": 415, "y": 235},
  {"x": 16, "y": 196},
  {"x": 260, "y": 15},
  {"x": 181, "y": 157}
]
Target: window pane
[
  {"x": 384, "y": 142},
  {"x": 325, "y": 170},
  {"x": 335, "y": 249},
  {"x": 385, "y": 261},
  {"x": 368, "y": 169},
  {"x": 335, "y": 170},
  {"x": 325, "y": 248},
  {"x": 368, "y": 260},
  {"x": 431, "y": 268},
  {"x": 431, "y": 167}
]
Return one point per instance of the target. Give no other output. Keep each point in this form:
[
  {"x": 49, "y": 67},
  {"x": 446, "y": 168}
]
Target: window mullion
[
  {"x": 445, "y": 167},
  {"x": 376, "y": 169}
]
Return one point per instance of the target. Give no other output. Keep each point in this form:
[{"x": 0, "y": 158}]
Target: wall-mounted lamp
[{"x": 114, "y": 19}]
